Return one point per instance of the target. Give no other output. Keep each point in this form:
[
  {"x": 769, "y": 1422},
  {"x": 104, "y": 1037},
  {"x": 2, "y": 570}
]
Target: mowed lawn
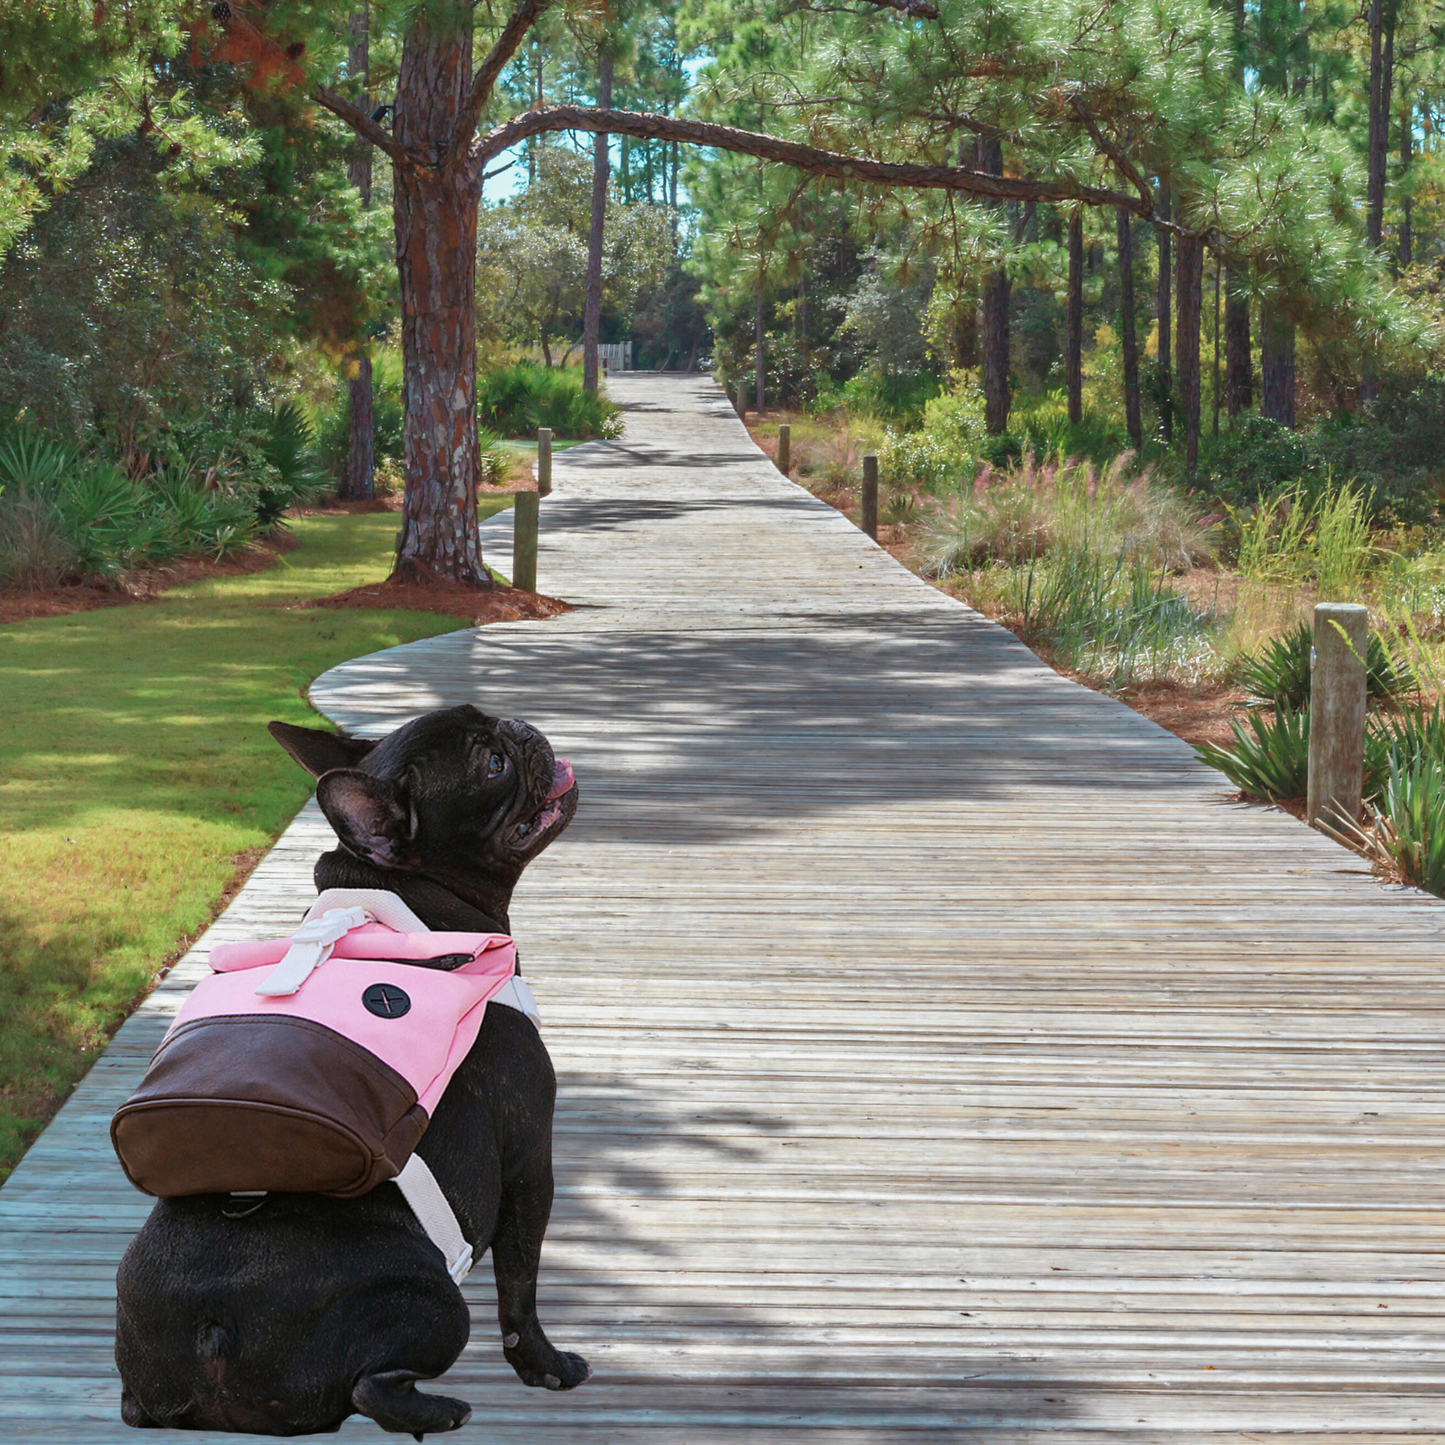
[{"x": 136, "y": 774}]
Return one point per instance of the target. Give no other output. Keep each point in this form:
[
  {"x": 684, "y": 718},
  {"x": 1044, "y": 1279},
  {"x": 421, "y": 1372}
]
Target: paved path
[{"x": 941, "y": 1057}]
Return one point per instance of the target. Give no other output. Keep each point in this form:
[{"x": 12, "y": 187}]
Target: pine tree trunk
[
  {"x": 358, "y": 482},
  {"x": 1128, "y": 336},
  {"x": 1407, "y": 145},
  {"x": 1162, "y": 310},
  {"x": 1276, "y": 345},
  {"x": 1191, "y": 284},
  {"x": 996, "y": 399},
  {"x": 1378, "y": 143},
  {"x": 759, "y": 368},
  {"x": 592, "y": 311},
  {"x": 436, "y": 247},
  {"x": 1074, "y": 342},
  {"x": 1238, "y": 364}
]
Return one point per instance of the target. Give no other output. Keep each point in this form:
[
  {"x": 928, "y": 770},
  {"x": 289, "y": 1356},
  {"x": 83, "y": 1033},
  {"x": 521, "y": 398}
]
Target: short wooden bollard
[
  {"x": 1337, "y": 714},
  {"x": 870, "y": 496},
  {"x": 544, "y": 461},
  {"x": 785, "y": 448},
  {"x": 524, "y": 541}
]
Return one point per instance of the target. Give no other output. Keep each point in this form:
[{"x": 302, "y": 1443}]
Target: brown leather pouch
[{"x": 218, "y": 1112}]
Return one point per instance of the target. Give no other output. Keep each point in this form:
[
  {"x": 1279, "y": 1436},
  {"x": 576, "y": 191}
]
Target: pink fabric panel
[
  {"x": 362, "y": 942},
  {"x": 425, "y": 1045}
]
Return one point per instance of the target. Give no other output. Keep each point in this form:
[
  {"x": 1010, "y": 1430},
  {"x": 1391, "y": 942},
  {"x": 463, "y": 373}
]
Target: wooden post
[
  {"x": 544, "y": 461},
  {"x": 524, "y": 541},
  {"x": 743, "y": 399},
  {"x": 1337, "y": 713},
  {"x": 785, "y": 448},
  {"x": 870, "y": 496}
]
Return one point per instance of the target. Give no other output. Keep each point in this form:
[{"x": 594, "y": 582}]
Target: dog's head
[{"x": 455, "y": 798}]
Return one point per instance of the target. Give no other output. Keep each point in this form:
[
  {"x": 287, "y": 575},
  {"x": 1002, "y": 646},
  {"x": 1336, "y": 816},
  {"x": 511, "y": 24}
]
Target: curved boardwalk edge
[{"x": 938, "y": 1052}]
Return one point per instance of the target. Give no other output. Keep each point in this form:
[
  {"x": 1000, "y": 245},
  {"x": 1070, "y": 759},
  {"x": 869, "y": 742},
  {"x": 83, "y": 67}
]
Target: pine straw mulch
[
  {"x": 20, "y": 604},
  {"x": 449, "y": 599}
]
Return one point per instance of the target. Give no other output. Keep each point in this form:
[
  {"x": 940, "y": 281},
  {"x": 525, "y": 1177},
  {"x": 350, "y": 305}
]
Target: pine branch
[
  {"x": 521, "y": 20},
  {"x": 1108, "y": 148},
  {"x": 646, "y": 126},
  {"x": 363, "y": 125}
]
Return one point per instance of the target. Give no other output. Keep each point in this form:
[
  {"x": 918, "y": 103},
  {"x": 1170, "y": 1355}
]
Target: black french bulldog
[{"x": 290, "y": 1319}]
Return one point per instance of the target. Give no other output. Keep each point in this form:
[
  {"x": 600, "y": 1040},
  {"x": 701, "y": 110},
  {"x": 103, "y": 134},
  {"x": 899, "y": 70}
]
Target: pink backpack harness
[{"x": 312, "y": 1064}]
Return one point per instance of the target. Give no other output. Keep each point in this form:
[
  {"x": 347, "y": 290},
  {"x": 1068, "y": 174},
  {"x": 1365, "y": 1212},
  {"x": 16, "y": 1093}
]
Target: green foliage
[
  {"x": 1271, "y": 759},
  {"x": 1409, "y": 831},
  {"x": 333, "y": 425},
  {"x": 515, "y": 400},
  {"x": 289, "y": 447},
  {"x": 1278, "y": 675},
  {"x": 1293, "y": 537}
]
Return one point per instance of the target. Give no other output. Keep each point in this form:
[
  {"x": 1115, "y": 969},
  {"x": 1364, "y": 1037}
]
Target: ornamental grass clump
[{"x": 1029, "y": 512}]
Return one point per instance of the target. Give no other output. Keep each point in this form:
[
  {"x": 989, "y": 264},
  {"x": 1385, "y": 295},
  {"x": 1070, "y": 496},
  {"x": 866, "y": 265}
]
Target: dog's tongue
[{"x": 562, "y": 779}]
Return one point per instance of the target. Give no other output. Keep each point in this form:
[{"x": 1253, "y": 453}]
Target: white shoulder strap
[
  {"x": 420, "y": 1189},
  {"x": 384, "y": 906}
]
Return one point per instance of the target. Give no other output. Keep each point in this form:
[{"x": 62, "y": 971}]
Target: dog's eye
[
  {"x": 495, "y": 764},
  {"x": 523, "y": 829}
]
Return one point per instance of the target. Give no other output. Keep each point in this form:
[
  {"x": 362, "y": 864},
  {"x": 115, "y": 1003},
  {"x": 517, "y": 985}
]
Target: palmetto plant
[{"x": 1278, "y": 675}]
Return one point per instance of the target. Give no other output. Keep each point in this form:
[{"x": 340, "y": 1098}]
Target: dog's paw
[{"x": 545, "y": 1368}]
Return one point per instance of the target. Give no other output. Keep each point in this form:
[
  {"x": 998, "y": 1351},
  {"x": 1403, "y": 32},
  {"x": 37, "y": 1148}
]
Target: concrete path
[{"x": 940, "y": 1055}]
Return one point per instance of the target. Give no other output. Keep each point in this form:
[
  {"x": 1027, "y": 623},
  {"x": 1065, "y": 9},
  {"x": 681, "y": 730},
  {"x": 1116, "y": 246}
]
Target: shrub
[
  {"x": 1269, "y": 761},
  {"x": 1279, "y": 674},
  {"x": 35, "y": 550},
  {"x": 1408, "y": 833},
  {"x": 515, "y": 400},
  {"x": 289, "y": 446}
]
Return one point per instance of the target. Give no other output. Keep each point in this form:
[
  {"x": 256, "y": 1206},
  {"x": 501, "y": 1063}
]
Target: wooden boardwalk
[{"x": 941, "y": 1057}]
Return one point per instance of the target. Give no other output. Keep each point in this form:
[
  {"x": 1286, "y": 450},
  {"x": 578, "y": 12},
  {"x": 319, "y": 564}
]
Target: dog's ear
[
  {"x": 318, "y": 752},
  {"x": 372, "y": 816},
  {"x": 394, "y": 1402}
]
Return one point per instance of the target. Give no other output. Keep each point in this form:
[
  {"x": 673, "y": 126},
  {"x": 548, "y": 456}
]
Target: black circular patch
[{"x": 386, "y": 1001}]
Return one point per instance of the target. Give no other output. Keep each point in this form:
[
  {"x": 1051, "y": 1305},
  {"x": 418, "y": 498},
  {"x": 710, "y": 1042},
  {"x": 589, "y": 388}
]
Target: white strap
[
  {"x": 382, "y": 905},
  {"x": 311, "y": 946},
  {"x": 420, "y": 1189},
  {"x": 516, "y": 994}
]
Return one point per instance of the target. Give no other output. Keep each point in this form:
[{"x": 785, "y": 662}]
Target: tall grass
[
  {"x": 1076, "y": 562},
  {"x": 1292, "y": 539},
  {"x": 1029, "y": 511}
]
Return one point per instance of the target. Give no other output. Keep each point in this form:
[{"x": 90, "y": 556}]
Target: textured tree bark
[
  {"x": 1163, "y": 308},
  {"x": 1074, "y": 342},
  {"x": 592, "y": 310},
  {"x": 1379, "y": 143},
  {"x": 1191, "y": 285},
  {"x": 996, "y": 398},
  {"x": 1238, "y": 364},
  {"x": 436, "y": 249},
  {"x": 1276, "y": 345},
  {"x": 358, "y": 480},
  {"x": 759, "y": 366},
  {"x": 1407, "y": 147},
  {"x": 1128, "y": 336}
]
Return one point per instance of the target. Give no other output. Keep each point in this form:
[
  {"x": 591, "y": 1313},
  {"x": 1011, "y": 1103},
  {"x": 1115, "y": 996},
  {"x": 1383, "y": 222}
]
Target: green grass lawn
[{"x": 136, "y": 773}]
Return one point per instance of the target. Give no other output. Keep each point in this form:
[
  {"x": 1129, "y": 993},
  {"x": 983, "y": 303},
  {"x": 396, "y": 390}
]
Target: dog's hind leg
[{"x": 526, "y": 1205}]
